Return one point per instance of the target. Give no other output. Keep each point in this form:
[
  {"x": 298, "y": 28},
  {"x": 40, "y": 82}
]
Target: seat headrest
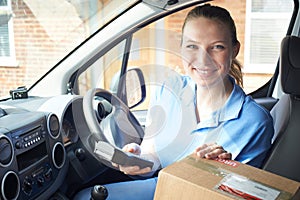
[{"x": 290, "y": 65}]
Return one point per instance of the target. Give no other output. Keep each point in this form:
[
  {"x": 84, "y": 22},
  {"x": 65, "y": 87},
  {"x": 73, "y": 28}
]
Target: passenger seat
[{"x": 284, "y": 157}]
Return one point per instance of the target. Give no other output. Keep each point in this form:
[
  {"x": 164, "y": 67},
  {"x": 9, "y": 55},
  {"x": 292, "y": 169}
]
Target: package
[{"x": 199, "y": 178}]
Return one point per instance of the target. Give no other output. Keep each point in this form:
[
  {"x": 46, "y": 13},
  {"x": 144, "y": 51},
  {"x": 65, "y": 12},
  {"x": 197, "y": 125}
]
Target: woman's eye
[
  {"x": 218, "y": 47},
  {"x": 191, "y": 46}
]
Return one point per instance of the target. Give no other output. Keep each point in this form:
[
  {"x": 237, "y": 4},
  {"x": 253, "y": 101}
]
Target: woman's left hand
[{"x": 212, "y": 151}]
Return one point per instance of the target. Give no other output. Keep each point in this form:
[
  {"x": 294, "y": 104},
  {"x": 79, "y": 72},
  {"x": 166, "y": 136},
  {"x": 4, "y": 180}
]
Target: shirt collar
[{"x": 229, "y": 111}]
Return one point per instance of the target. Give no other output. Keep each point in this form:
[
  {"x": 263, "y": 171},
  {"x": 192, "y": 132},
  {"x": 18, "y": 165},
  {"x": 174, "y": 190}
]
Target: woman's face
[{"x": 207, "y": 51}]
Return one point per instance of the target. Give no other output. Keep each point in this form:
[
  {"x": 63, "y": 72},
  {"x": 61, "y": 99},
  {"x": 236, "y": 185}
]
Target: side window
[
  {"x": 104, "y": 72},
  {"x": 155, "y": 50},
  {"x": 266, "y": 24},
  {"x": 7, "y": 49},
  {"x": 157, "y": 45}
]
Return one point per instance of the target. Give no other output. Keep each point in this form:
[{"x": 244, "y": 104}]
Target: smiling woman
[{"x": 210, "y": 110}]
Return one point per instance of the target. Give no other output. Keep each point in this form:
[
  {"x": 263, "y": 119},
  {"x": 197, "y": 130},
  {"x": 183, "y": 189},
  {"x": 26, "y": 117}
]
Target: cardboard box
[{"x": 196, "y": 178}]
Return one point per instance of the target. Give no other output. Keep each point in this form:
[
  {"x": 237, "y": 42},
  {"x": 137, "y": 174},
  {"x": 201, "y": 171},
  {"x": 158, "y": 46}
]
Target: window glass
[
  {"x": 4, "y": 37},
  {"x": 3, "y": 2},
  {"x": 7, "y": 51},
  {"x": 266, "y": 24},
  {"x": 36, "y": 35},
  {"x": 155, "y": 50},
  {"x": 104, "y": 73},
  {"x": 264, "y": 44},
  {"x": 271, "y": 6}
]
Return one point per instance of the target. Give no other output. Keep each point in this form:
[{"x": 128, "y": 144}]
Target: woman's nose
[{"x": 203, "y": 57}]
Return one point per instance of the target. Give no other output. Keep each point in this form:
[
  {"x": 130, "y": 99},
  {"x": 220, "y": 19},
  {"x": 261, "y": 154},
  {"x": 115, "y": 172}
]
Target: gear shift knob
[{"x": 99, "y": 192}]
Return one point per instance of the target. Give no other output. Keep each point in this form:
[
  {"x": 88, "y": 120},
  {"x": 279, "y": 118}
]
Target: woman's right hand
[
  {"x": 133, "y": 170},
  {"x": 132, "y": 148}
]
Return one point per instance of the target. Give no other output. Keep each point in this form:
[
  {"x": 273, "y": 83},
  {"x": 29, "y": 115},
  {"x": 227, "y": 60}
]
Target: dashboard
[
  {"x": 31, "y": 152},
  {"x": 33, "y": 141}
]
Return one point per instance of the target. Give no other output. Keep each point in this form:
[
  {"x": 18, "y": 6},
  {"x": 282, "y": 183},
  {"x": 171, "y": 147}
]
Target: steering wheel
[{"x": 119, "y": 127}]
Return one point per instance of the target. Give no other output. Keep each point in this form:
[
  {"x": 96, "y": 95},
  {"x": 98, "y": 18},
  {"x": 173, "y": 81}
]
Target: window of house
[
  {"x": 266, "y": 24},
  {"x": 7, "y": 50}
]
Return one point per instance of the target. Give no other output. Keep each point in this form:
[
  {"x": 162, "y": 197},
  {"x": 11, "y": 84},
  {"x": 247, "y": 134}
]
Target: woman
[{"x": 206, "y": 112}]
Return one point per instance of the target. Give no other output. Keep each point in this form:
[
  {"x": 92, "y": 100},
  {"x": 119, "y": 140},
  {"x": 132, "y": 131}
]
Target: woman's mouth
[
  {"x": 204, "y": 72},
  {"x": 201, "y": 71}
]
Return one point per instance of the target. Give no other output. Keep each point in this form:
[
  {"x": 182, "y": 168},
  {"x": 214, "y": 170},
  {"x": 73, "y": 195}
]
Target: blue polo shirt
[{"x": 241, "y": 126}]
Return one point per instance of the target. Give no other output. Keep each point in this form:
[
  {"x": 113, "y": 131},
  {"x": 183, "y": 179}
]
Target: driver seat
[{"x": 284, "y": 156}]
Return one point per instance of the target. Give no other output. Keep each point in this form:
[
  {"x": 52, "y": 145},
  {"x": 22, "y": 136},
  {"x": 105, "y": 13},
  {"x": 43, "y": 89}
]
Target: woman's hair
[{"x": 221, "y": 15}]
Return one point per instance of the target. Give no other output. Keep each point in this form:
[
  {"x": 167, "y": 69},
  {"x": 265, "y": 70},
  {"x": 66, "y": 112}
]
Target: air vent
[
  {"x": 6, "y": 151},
  {"x": 58, "y": 155},
  {"x": 53, "y": 125},
  {"x": 10, "y": 186}
]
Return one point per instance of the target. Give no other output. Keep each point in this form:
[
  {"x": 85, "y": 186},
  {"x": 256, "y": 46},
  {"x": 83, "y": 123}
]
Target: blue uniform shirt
[{"x": 241, "y": 126}]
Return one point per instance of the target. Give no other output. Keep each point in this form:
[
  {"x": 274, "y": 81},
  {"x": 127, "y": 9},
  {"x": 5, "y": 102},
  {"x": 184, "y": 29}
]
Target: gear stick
[{"x": 99, "y": 192}]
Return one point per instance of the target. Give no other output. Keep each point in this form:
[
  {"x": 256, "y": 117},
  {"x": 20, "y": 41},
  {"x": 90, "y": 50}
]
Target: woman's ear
[{"x": 236, "y": 49}]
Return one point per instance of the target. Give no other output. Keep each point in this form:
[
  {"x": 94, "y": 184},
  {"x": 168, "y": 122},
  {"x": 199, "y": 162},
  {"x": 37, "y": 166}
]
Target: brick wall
[
  {"x": 31, "y": 38},
  {"x": 25, "y": 29}
]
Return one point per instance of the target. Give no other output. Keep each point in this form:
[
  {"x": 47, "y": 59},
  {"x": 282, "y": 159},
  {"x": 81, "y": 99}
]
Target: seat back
[{"x": 284, "y": 156}]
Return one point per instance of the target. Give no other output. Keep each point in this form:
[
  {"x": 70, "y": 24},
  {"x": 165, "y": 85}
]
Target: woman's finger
[
  {"x": 115, "y": 165},
  {"x": 134, "y": 170},
  {"x": 212, "y": 151},
  {"x": 206, "y": 148},
  {"x": 227, "y": 156},
  {"x": 132, "y": 148}
]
